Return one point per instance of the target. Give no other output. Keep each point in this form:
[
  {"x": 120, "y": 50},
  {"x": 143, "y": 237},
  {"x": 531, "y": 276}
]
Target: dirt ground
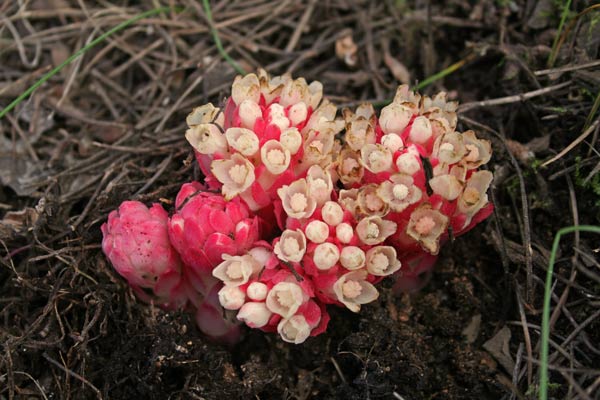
[{"x": 110, "y": 126}]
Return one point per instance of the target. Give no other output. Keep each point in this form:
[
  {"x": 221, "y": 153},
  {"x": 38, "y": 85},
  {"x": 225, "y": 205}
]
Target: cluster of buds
[{"x": 294, "y": 216}]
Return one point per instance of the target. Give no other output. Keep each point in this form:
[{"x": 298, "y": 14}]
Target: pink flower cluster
[{"x": 312, "y": 209}]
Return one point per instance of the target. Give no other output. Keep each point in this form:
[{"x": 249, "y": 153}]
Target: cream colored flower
[
  {"x": 245, "y": 88},
  {"x": 326, "y": 255},
  {"x": 275, "y": 157},
  {"x": 242, "y": 140},
  {"x": 317, "y": 231},
  {"x": 319, "y": 183},
  {"x": 206, "y": 139},
  {"x": 447, "y": 186},
  {"x": 205, "y": 114},
  {"x": 285, "y": 298},
  {"x": 236, "y": 270},
  {"x": 254, "y": 314},
  {"x": 236, "y": 174},
  {"x": 474, "y": 196},
  {"x": 291, "y": 139},
  {"x": 376, "y": 158},
  {"x": 449, "y": 148},
  {"x": 291, "y": 246},
  {"x": 294, "y": 330},
  {"x": 352, "y": 290},
  {"x": 394, "y": 118},
  {"x": 399, "y": 192},
  {"x": 296, "y": 199},
  {"x": 382, "y": 261},
  {"x": 420, "y": 131},
  {"x": 370, "y": 201},
  {"x": 374, "y": 230},
  {"x": 426, "y": 225},
  {"x": 352, "y": 257},
  {"x": 478, "y": 151},
  {"x": 231, "y": 297},
  {"x": 349, "y": 167}
]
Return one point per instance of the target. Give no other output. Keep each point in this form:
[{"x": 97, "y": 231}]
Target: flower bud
[
  {"x": 352, "y": 257},
  {"x": 276, "y": 116},
  {"x": 249, "y": 112},
  {"x": 394, "y": 118},
  {"x": 446, "y": 186},
  {"x": 332, "y": 213},
  {"x": 326, "y": 256},
  {"x": 297, "y": 113},
  {"x": 257, "y": 291},
  {"x": 245, "y": 88},
  {"x": 344, "y": 232},
  {"x": 420, "y": 131},
  {"x": 408, "y": 164},
  {"x": 291, "y": 139},
  {"x": 255, "y": 315},
  {"x": 319, "y": 184},
  {"x": 202, "y": 115},
  {"x": 392, "y": 142},
  {"x": 231, "y": 297},
  {"x": 317, "y": 231}
]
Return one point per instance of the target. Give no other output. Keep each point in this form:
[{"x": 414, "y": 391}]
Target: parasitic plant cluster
[{"x": 301, "y": 208}]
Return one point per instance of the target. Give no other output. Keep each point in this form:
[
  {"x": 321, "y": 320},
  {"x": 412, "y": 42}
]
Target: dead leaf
[
  {"x": 498, "y": 347},
  {"x": 471, "y": 331},
  {"x": 345, "y": 48},
  {"x": 398, "y": 70},
  {"x": 18, "y": 222}
]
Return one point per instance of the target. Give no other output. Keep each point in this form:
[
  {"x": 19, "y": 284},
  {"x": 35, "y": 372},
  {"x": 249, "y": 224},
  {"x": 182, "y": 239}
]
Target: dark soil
[{"x": 109, "y": 127}]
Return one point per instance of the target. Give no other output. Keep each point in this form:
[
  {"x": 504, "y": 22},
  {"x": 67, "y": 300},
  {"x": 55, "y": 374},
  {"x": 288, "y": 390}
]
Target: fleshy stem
[
  {"x": 543, "y": 392},
  {"x": 81, "y": 51},
  {"x": 217, "y": 39}
]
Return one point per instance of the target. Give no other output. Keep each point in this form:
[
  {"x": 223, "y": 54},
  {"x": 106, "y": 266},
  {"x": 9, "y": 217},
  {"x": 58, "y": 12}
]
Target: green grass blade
[
  {"x": 543, "y": 392},
  {"x": 81, "y": 51},
  {"x": 217, "y": 39},
  {"x": 555, "y": 46}
]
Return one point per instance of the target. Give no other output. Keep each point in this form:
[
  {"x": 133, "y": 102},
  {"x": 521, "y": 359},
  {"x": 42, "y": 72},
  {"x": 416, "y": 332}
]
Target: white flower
[
  {"x": 408, "y": 163},
  {"x": 376, "y": 158},
  {"x": 236, "y": 270},
  {"x": 353, "y": 290},
  {"x": 245, "y": 88},
  {"x": 449, "y": 148},
  {"x": 447, "y": 186},
  {"x": 319, "y": 184},
  {"x": 285, "y": 298},
  {"x": 206, "y": 139},
  {"x": 203, "y": 115},
  {"x": 297, "y": 113},
  {"x": 291, "y": 246},
  {"x": 370, "y": 201},
  {"x": 236, "y": 174},
  {"x": 426, "y": 225},
  {"x": 294, "y": 330},
  {"x": 474, "y": 196},
  {"x": 296, "y": 199},
  {"x": 242, "y": 140},
  {"x": 399, "y": 192},
  {"x": 382, "y": 261},
  {"x": 374, "y": 230},
  {"x": 478, "y": 151},
  {"x": 275, "y": 157}
]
